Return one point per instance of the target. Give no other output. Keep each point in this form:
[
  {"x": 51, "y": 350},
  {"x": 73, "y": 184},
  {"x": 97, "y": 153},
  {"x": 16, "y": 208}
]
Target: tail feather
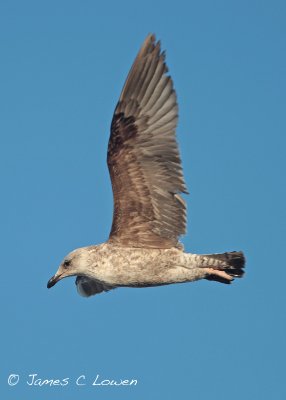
[{"x": 231, "y": 263}]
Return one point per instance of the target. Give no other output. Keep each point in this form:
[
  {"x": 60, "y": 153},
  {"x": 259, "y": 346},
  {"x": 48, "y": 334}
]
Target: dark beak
[{"x": 54, "y": 279}]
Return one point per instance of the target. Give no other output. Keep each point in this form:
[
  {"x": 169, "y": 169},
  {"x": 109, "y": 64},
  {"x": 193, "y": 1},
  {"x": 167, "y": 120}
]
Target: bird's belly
[{"x": 144, "y": 267}]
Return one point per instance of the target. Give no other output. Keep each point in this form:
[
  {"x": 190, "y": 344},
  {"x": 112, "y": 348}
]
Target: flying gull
[{"x": 149, "y": 215}]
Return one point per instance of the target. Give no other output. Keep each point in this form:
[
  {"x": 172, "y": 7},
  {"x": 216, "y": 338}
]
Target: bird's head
[{"x": 75, "y": 263}]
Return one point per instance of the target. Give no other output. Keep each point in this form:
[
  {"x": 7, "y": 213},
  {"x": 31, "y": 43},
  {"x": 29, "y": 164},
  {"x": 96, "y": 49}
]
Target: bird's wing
[
  {"x": 88, "y": 287},
  {"x": 143, "y": 157}
]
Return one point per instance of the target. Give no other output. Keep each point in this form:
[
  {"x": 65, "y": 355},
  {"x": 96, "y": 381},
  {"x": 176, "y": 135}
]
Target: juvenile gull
[{"x": 149, "y": 216}]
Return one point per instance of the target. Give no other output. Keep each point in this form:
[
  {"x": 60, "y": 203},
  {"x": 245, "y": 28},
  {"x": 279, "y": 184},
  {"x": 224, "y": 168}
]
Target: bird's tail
[{"x": 226, "y": 266}]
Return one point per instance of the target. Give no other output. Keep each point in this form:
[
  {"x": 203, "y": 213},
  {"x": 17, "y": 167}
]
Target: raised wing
[{"x": 143, "y": 157}]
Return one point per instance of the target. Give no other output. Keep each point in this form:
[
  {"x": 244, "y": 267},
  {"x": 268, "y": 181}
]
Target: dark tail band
[{"x": 232, "y": 263}]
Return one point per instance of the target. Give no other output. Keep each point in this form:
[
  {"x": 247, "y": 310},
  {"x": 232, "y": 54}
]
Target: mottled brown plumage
[
  {"x": 147, "y": 179},
  {"x": 143, "y": 157}
]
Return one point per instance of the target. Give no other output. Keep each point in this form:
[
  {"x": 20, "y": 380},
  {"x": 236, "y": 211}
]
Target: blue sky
[{"x": 63, "y": 64}]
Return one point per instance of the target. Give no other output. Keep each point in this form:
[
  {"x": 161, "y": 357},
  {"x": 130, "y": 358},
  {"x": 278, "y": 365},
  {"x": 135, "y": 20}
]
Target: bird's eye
[{"x": 66, "y": 263}]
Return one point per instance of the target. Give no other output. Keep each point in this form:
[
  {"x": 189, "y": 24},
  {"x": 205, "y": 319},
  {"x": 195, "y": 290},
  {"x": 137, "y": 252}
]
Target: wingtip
[
  {"x": 151, "y": 42},
  {"x": 151, "y": 37}
]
